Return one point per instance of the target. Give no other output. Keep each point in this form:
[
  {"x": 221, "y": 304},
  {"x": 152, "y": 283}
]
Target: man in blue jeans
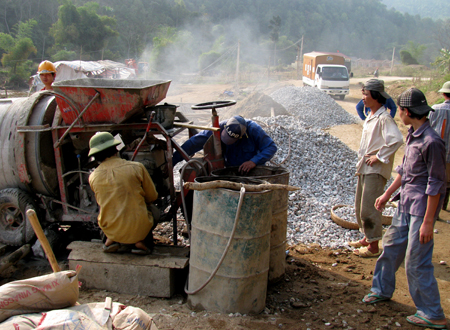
[{"x": 422, "y": 180}]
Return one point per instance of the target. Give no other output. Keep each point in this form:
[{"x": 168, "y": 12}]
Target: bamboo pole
[
  {"x": 214, "y": 129},
  {"x": 237, "y": 186}
]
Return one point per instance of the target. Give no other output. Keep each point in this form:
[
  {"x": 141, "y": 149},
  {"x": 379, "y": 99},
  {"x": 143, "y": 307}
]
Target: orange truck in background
[{"x": 327, "y": 72}]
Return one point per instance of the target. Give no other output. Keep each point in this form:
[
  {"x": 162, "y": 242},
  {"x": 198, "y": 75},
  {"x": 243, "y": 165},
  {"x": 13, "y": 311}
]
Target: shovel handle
[{"x": 32, "y": 217}]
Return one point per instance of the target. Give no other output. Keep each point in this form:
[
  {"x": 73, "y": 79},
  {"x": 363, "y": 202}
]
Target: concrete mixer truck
[{"x": 44, "y": 144}]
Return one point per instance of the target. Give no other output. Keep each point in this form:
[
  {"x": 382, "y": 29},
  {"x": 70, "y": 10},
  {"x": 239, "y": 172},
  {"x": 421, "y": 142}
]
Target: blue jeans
[{"x": 401, "y": 242}]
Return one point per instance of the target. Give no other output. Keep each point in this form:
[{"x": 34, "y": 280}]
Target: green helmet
[{"x": 101, "y": 141}]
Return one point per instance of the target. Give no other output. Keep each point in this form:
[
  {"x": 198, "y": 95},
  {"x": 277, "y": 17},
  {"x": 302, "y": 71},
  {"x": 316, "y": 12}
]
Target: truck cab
[
  {"x": 332, "y": 79},
  {"x": 327, "y": 72}
]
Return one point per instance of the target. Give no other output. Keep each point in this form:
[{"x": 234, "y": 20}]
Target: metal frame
[{"x": 58, "y": 134}]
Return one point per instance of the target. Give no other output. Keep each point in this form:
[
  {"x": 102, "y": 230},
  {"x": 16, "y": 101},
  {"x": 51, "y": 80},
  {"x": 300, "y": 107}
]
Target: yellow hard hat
[{"x": 46, "y": 67}]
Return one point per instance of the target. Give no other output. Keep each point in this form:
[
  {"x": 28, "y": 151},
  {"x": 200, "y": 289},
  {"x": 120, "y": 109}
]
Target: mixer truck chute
[
  {"x": 44, "y": 144},
  {"x": 327, "y": 72}
]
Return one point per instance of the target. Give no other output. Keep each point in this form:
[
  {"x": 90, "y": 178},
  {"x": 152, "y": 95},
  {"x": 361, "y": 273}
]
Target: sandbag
[
  {"x": 86, "y": 316},
  {"x": 133, "y": 318},
  {"x": 62, "y": 319},
  {"x": 22, "y": 322},
  {"x": 42, "y": 293}
]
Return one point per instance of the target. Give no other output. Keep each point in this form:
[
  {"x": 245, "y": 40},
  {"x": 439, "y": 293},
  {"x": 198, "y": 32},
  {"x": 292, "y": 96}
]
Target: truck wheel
[
  {"x": 15, "y": 228},
  {"x": 341, "y": 97}
]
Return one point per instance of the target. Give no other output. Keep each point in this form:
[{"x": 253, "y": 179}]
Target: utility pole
[
  {"x": 300, "y": 58},
  {"x": 236, "y": 78},
  {"x": 392, "y": 61}
]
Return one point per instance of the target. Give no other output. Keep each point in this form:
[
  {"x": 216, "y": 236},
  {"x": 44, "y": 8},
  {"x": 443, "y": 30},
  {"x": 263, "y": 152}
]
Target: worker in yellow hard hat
[{"x": 47, "y": 74}]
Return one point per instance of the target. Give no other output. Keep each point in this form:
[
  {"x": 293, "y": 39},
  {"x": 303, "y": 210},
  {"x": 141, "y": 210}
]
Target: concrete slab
[{"x": 152, "y": 275}]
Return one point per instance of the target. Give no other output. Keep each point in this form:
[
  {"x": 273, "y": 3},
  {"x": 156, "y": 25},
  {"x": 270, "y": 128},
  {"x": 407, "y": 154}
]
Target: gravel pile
[
  {"x": 324, "y": 168},
  {"x": 313, "y": 107}
]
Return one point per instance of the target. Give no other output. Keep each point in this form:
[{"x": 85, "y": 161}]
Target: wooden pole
[
  {"x": 392, "y": 61},
  {"x": 32, "y": 217},
  {"x": 237, "y": 68},
  {"x": 208, "y": 128},
  {"x": 301, "y": 55},
  {"x": 237, "y": 186}
]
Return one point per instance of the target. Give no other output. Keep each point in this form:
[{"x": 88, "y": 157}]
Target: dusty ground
[{"x": 323, "y": 288}]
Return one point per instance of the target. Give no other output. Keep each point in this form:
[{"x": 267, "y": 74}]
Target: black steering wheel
[{"x": 213, "y": 105}]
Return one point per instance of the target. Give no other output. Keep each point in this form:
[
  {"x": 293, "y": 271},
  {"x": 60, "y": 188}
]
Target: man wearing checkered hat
[
  {"x": 422, "y": 182},
  {"x": 244, "y": 144},
  {"x": 440, "y": 121}
]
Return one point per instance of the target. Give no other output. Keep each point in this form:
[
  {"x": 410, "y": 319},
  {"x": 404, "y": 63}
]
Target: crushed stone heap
[
  {"x": 324, "y": 168},
  {"x": 312, "y": 106}
]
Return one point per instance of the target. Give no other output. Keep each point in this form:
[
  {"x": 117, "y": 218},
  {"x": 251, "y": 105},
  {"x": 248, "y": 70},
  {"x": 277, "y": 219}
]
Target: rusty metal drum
[
  {"x": 27, "y": 159},
  {"x": 240, "y": 283},
  {"x": 276, "y": 175}
]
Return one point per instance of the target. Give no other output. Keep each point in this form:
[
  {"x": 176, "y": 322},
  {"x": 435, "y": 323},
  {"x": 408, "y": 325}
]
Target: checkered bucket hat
[{"x": 415, "y": 101}]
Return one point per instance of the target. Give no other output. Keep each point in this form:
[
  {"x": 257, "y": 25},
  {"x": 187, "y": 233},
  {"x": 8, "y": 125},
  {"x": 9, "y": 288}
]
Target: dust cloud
[{"x": 184, "y": 48}]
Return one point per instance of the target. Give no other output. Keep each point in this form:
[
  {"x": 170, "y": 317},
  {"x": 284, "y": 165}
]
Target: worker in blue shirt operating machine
[{"x": 244, "y": 144}]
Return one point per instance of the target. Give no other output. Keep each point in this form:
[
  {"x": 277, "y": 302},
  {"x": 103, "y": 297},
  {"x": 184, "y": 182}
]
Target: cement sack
[
  {"x": 95, "y": 311},
  {"x": 86, "y": 316},
  {"x": 133, "y": 318},
  {"x": 63, "y": 319},
  {"x": 22, "y": 322},
  {"x": 42, "y": 293}
]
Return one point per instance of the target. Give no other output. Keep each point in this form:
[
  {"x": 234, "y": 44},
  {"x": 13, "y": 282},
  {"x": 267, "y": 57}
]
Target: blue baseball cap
[{"x": 234, "y": 129}]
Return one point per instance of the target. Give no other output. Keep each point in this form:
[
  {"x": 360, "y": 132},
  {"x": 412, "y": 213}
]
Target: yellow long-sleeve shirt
[{"x": 122, "y": 188}]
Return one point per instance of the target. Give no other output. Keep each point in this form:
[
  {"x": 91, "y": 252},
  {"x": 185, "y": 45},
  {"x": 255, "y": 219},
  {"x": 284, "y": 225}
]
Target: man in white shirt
[{"x": 380, "y": 140}]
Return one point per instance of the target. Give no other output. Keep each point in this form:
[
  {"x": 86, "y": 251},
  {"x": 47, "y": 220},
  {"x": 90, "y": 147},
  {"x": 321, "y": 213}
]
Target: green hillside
[
  {"x": 186, "y": 36},
  {"x": 436, "y": 9}
]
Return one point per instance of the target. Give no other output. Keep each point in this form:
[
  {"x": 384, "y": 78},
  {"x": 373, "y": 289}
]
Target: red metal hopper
[{"x": 117, "y": 101}]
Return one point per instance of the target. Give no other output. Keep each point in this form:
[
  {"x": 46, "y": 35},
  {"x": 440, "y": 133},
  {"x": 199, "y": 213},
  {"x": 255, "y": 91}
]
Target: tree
[
  {"x": 407, "y": 58},
  {"x": 82, "y": 29},
  {"x": 206, "y": 60},
  {"x": 443, "y": 61},
  {"x": 274, "y": 25},
  {"x": 17, "y": 50},
  {"x": 416, "y": 50}
]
